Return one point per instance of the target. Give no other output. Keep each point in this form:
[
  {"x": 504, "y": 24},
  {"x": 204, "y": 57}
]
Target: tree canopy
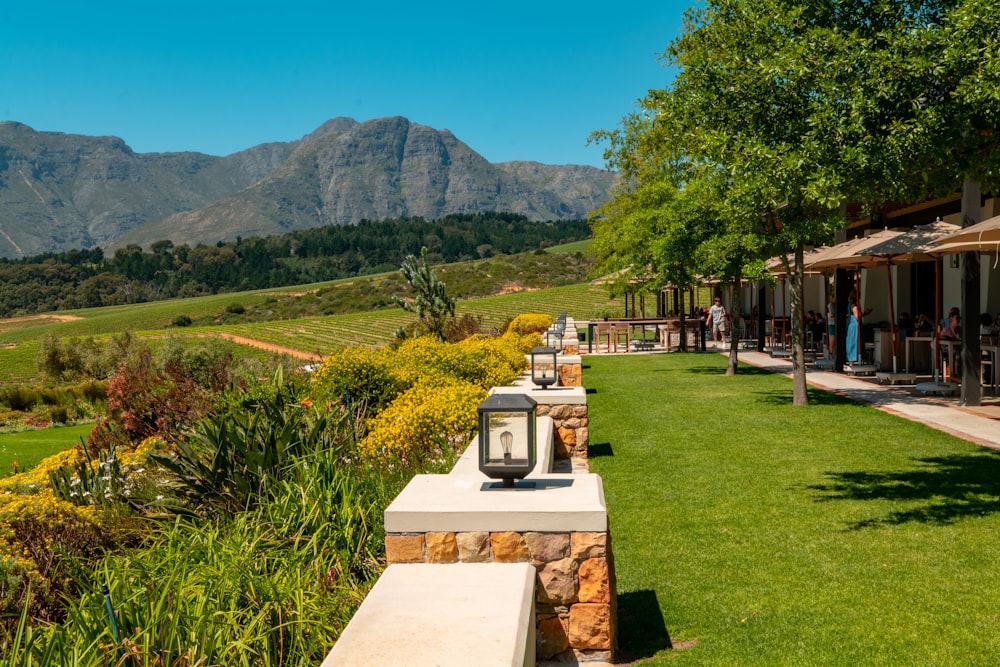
[{"x": 791, "y": 109}]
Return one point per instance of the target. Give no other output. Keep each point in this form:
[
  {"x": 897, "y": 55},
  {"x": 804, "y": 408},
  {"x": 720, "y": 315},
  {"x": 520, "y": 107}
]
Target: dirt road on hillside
[{"x": 270, "y": 347}]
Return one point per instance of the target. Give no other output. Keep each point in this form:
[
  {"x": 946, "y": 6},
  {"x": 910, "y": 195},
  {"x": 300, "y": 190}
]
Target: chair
[
  {"x": 620, "y": 334},
  {"x": 604, "y": 331}
]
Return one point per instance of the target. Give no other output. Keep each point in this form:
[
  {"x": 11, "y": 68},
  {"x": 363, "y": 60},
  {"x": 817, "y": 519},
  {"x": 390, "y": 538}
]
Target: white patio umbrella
[{"x": 985, "y": 233}]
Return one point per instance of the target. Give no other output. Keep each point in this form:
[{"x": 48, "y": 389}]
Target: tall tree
[{"x": 431, "y": 302}]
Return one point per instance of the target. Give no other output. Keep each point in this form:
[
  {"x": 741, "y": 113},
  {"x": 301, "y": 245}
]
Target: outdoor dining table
[
  {"x": 621, "y": 324},
  {"x": 672, "y": 326}
]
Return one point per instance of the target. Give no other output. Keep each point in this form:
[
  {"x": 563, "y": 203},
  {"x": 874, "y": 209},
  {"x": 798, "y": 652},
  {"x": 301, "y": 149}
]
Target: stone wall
[
  {"x": 575, "y": 594},
  {"x": 570, "y": 373},
  {"x": 572, "y": 429}
]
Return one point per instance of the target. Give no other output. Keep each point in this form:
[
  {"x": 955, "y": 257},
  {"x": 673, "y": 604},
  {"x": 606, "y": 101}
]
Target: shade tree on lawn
[{"x": 808, "y": 106}]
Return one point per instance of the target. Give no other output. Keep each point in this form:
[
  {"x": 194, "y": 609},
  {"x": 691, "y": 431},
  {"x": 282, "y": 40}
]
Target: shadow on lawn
[
  {"x": 945, "y": 489},
  {"x": 642, "y": 632},
  {"x": 816, "y": 397},
  {"x": 745, "y": 371},
  {"x": 600, "y": 449}
]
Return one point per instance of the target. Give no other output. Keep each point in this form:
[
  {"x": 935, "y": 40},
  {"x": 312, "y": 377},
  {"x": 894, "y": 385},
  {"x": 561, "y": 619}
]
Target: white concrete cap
[
  {"x": 446, "y": 503},
  {"x": 550, "y": 396},
  {"x": 446, "y": 615}
]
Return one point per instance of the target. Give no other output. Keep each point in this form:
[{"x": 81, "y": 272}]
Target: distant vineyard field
[
  {"x": 316, "y": 335},
  {"x": 323, "y": 334}
]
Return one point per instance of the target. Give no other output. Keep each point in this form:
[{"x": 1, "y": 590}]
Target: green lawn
[
  {"x": 27, "y": 448},
  {"x": 748, "y": 531}
]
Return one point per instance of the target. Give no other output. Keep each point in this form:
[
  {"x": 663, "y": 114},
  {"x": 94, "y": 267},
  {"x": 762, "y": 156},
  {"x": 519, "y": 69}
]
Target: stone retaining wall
[
  {"x": 575, "y": 594},
  {"x": 572, "y": 429},
  {"x": 570, "y": 374}
]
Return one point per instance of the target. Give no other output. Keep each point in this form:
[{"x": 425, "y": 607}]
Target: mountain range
[{"x": 64, "y": 191}]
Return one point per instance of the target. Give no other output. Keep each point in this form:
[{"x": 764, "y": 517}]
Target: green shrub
[
  {"x": 229, "y": 459},
  {"x": 19, "y": 398},
  {"x": 181, "y": 321},
  {"x": 366, "y": 375},
  {"x": 236, "y": 308}
]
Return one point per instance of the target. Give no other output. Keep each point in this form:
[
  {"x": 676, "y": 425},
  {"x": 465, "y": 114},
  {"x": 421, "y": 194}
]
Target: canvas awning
[
  {"x": 919, "y": 244},
  {"x": 983, "y": 236},
  {"x": 848, "y": 254}
]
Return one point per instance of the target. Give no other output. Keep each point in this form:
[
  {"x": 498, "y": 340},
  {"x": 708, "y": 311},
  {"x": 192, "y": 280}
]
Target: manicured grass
[
  {"x": 748, "y": 531},
  {"x": 27, "y": 448}
]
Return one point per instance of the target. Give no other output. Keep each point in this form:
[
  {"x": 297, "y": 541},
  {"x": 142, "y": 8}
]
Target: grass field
[
  {"x": 27, "y": 448},
  {"x": 749, "y": 531}
]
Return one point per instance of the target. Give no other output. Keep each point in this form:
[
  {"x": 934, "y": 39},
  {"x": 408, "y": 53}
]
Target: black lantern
[
  {"x": 553, "y": 339},
  {"x": 560, "y": 324},
  {"x": 507, "y": 437},
  {"x": 543, "y": 366}
]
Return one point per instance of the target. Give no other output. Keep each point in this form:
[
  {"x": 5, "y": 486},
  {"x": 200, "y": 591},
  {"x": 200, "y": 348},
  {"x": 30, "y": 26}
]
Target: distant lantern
[
  {"x": 507, "y": 437},
  {"x": 544, "y": 372},
  {"x": 553, "y": 339}
]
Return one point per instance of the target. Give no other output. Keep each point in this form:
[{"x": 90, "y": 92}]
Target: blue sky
[{"x": 514, "y": 80}]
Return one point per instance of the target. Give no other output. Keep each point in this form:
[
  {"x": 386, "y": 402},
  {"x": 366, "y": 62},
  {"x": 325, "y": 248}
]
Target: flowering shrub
[
  {"x": 366, "y": 375},
  {"x": 530, "y": 323},
  {"x": 498, "y": 361},
  {"x": 37, "y": 530},
  {"x": 521, "y": 342},
  {"x": 427, "y": 421},
  {"x": 43, "y": 534},
  {"x": 483, "y": 360}
]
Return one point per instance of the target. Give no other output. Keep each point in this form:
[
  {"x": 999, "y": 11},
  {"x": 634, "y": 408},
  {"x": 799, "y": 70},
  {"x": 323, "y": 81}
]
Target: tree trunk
[
  {"x": 800, "y": 394},
  {"x": 972, "y": 389},
  {"x": 734, "y": 333}
]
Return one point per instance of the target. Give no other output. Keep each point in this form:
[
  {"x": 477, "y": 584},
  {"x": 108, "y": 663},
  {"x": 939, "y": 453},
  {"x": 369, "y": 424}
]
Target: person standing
[
  {"x": 853, "y": 329},
  {"x": 717, "y": 319}
]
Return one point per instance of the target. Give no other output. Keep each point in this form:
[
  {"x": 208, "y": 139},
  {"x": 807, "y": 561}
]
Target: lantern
[
  {"x": 507, "y": 437},
  {"x": 544, "y": 372}
]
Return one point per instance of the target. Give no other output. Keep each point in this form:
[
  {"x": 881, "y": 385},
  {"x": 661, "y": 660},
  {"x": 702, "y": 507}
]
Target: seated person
[
  {"x": 985, "y": 324},
  {"x": 905, "y": 322},
  {"x": 923, "y": 324},
  {"x": 954, "y": 329}
]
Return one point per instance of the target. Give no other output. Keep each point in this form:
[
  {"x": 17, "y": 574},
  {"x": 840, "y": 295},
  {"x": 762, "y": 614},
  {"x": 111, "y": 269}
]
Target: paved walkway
[{"x": 979, "y": 425}]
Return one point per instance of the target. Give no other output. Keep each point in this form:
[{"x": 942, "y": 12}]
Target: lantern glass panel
[
  {"x": 508, "y": 439},
  {"x": 543, "y": 366}
]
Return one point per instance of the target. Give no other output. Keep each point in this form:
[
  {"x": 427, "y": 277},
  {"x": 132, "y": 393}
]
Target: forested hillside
[{"x": 86, "y": 278}]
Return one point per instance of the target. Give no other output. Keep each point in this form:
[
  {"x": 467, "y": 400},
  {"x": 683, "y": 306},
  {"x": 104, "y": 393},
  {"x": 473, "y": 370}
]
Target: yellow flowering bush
[
  {"x": 38, "y": 528},
  {"x": 530, "y": 323},
  {"x": 498, "y": 361},
  {"x": 38, "y": 477},
  {"x": 429, "y": 421},
  {"x": 430, "y": 389},
  {"x": 523, "y": 343},
  {"x": 366, "y": 375},
  {"x": 480, "y": 359}
]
